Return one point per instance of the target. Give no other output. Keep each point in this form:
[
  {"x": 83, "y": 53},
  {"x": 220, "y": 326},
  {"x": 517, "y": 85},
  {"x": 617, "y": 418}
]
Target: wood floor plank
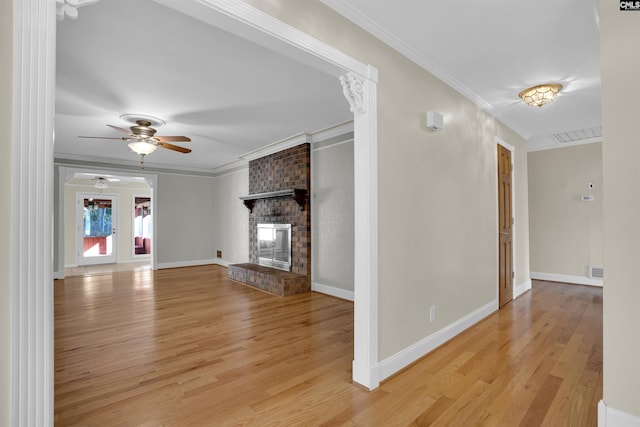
[{"x": 188, "y": 347}]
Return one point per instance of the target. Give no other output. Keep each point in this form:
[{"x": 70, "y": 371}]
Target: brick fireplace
[{"x": 280, "y": 183}]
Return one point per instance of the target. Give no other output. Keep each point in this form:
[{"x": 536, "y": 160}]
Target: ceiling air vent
[{"x": 581, "y": 135}]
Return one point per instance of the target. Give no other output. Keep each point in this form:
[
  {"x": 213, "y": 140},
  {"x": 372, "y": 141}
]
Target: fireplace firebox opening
[{"x": 274, "y": 246}]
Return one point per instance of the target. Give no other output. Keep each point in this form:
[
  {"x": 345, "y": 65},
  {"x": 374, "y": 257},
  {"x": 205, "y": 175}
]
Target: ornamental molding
[
  {"x": 353, "y": 90},
  {"x": 69, "y": 8}
]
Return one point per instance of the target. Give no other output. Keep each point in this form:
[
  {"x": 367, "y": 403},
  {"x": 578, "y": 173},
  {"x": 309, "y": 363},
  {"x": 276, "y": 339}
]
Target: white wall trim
[
  {"x": 222, "y": 262},
  {"x": 566, "y": 278},
  {"x": 275, "y": 147},
  {"x": 365, "y": 186},
  {"x": 521, "y": 288},
  {"x": 65, "y": 173},
  {"x": 332, "y": 145},
  {"x": 332, "y": 132},
  {"x": 611, "y": 417},
  {"x": 514, "y": 252},
  {"x": 350, "y": 12},
  {"x": 405, "y": 357},
  {"x": 289, "y": 142},
  {"x": 254, "y": 24},
  {"x": 333, "y": 291},
  {"x": 130, "y": 164},
  {"x": 34, "y": 33},
  {"x": 34, "y": 60},
  {"x": 143, "y": 258},
  {"x": 552, "y": 144},
  {"x": 191, "y": 263}
]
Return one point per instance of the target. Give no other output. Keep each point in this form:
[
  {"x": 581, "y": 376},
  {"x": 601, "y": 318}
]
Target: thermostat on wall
[{"x": 586, "y": 198}]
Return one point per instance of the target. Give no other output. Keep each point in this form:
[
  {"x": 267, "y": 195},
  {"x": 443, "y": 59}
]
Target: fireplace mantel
[{"x": 298, "y": 194}]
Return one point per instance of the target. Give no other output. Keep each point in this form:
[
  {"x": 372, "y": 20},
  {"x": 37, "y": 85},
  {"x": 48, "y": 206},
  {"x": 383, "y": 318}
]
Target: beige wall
[
  {"x": 620, "y": 66},
  {"x": 521, "y": 226},
  {"x": 6, "y": 63},
  {"x": 124, "y": 219},
  {"x": 437, "y": 191},
  {"x": 566, "y": 234},
  {"x": 184, "y": 217},
  {"x": 231, "y": 217}
]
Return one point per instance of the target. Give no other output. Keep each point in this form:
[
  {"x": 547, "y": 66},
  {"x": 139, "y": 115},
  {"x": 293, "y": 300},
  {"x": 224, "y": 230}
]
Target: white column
[
  {"x": 361, "y": 93},
  {"x": 32, "y": 213}
]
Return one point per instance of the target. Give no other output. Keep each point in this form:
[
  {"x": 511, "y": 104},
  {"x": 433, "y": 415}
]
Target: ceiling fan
[{"x": 142, "y": 137}]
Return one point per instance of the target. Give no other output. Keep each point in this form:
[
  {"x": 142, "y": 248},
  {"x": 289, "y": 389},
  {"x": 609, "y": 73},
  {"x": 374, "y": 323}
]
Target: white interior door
[{"x": 96, "y": 228}]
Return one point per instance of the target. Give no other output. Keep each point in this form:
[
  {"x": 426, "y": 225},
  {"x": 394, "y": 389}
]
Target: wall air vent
[
  {"x": 596, "y": 272},
  {"x": 582, "y": 135}
]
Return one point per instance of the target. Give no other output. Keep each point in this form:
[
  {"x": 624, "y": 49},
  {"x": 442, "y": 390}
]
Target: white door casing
[{"x": 34, "y": 37}]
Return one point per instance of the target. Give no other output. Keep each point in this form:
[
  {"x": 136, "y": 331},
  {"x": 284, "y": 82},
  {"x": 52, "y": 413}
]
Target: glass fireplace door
[{"x": 274, "y": 245}]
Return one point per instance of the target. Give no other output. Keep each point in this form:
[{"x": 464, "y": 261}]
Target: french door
[{"x": 96, "y": 228}]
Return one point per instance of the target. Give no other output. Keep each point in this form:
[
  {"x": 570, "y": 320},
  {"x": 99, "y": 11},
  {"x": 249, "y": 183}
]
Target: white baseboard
[
  {"x": 186, "y": 263},
  {"x": 70, "y": 265},
  {"x": 404, "y": 358},
  {"x": 58, "y": 275},
  {"x": 611, "y": 417},
  {"x": 131, "y": 261},
  {"x": 333, "y": 291},
  {"x": 222, "y": 262},
  {"x": 521, "y": 289},
  {"x": 566, "y": 278}
]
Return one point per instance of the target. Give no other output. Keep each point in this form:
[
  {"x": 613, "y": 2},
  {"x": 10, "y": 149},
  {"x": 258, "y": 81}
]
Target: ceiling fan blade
[
  {"x": 174, "y": 147},
  {"x": 102, "y": 137},
  {"x": 172, "y": 138},
  {"x": 119, "y": 129}
]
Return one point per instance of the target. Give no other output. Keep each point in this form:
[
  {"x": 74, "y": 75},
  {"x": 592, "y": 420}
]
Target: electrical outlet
[
  {"x": 219, "y": 253},
  {"x": 432, "y": 314}
]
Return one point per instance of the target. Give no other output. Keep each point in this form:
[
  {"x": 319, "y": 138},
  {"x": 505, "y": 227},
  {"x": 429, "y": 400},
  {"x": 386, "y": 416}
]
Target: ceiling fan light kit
[
  {"x": 143, "y": 148},
  {"x": 540, "y": 95}
]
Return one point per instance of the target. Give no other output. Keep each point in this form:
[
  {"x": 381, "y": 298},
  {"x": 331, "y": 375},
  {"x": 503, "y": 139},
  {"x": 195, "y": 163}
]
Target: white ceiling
[
  {"x": 490, "y": 50},
  {"x": 232, "y": 96}
]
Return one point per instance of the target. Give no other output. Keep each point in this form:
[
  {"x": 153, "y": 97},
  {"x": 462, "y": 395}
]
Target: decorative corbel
[
  {"x": 353, "y": 90},
  {"x": 69, "y": 8}
]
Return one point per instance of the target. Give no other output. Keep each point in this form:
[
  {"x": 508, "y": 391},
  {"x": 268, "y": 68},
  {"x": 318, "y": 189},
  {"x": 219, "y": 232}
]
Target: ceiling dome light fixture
[
  {"x": 540, "y": 95},
  {"x": 142, "y": 147},
  {"x": 101, "y": 183}
]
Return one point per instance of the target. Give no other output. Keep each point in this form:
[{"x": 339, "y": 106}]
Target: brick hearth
[{"x": 268, "y": 279}]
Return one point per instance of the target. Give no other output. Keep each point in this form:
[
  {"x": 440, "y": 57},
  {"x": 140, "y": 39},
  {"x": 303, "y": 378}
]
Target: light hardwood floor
[
  {"x": 188, "y": 347},
  {"x": 90, "y": 270}
]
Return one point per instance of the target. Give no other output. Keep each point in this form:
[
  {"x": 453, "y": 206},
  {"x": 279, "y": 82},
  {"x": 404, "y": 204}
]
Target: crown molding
[
  {"x": 301, "y": 138},
  {"x": 378, "y": 31},
  {"x": 107, "y": 163},
  {"x": 551, "y": 144},
  {"x": 332, "y": 132},
  {"x": 236, "y": 165}
]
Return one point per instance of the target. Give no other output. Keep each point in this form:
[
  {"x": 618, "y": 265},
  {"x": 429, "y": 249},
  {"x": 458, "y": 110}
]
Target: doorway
[
  {"x": 96, "y": 220},
  {"x": 34, "y": 35},
  {"x": 505, "y": 226}
]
